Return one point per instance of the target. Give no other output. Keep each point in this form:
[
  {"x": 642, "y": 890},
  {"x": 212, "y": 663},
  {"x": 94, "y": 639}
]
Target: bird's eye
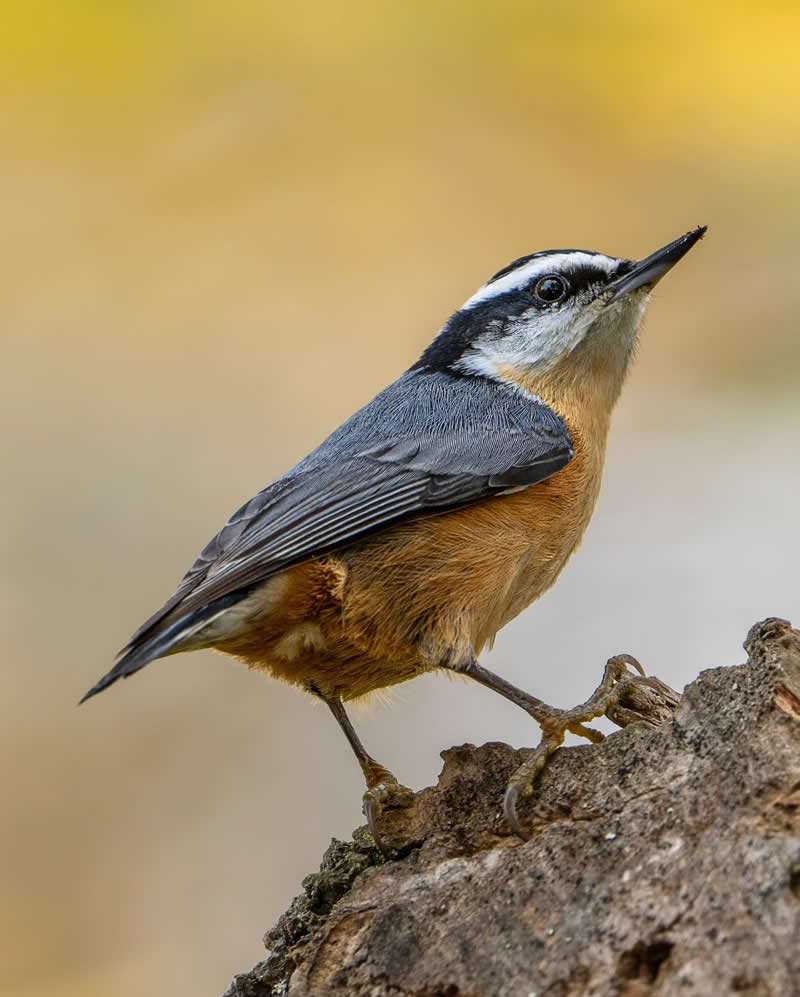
[{"x": 551, "y": 288}]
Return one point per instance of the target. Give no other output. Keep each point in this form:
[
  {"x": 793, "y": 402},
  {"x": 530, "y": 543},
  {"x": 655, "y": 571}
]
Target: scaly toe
[
  {"x": 622, "y": 696},
  {"x": 581, "y": 730}
]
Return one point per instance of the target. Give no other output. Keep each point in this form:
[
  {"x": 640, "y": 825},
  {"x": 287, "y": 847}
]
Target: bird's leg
[
  {"x": 382, "y": 787},
  {"x": 614, "y": 697}
]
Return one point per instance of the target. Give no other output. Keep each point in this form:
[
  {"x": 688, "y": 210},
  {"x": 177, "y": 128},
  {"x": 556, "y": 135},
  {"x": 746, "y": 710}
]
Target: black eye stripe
[
  {"x": 575, "y": 280},
  {"x": 582, "y": 277}
]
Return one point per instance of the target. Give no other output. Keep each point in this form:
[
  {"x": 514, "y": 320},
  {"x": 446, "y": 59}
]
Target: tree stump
[{"x": 662, "y": 862}]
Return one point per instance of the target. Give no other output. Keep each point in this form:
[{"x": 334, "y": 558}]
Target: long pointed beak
[{"x": 647, "y": 272}]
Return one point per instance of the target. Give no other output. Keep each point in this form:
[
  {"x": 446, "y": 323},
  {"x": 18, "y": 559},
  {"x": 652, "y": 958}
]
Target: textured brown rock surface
[{"x": 662, "y": 862}]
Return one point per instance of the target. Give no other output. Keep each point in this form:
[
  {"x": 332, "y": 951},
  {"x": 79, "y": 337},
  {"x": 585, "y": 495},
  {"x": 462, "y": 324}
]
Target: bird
[{"x": 435, "y": 514}]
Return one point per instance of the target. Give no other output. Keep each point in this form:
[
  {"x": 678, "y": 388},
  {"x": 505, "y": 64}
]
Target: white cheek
[
  {"x": 535, "y": 339},
  {"x": 544, "y": 338},
  {"x": 539, "y": 340}
]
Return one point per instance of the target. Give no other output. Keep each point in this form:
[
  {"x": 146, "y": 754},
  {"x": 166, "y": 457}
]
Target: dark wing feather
[{"x": 427, "y": 444}]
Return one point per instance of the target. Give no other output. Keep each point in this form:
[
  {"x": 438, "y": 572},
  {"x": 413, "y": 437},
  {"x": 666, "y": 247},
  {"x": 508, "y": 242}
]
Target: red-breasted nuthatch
[{"x": 436, "y": 513}]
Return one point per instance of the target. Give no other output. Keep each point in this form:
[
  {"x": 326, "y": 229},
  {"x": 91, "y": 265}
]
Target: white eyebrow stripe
[{"x": 529, "y": 271}]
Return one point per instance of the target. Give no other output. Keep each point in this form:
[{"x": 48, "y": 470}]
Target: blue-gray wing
[{"x": 428, "y": 443}]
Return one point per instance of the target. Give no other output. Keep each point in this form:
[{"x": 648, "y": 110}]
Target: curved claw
[
  {"x": 386, "y": 793},
  {"x": 372, "y": 808},
  {"x": 510, "y": 810},
  {"x": 628, "y": 660}
]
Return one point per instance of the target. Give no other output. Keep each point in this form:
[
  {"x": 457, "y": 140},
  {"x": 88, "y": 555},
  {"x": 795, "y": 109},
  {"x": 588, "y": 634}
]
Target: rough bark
[{"x": 662, "y": 862}]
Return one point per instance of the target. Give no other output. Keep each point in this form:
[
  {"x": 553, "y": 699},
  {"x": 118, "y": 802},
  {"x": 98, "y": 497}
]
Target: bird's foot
[
  {"x": 383, "y": 792},
  {"x": 623, "y": 697}
]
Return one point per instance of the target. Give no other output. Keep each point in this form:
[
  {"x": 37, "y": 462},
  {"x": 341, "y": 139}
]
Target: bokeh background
[{"x": 224, "y": 226}]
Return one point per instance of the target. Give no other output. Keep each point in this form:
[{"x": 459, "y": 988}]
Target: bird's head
[{"x": 562, "y": 314}]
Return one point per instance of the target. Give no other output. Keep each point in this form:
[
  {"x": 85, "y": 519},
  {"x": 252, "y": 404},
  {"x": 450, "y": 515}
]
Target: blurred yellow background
[{"x": 227, "y": 225}]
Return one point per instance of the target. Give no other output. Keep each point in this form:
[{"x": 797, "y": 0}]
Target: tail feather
[
  {"x": 124, "y": 667},
  {"x": 147, "y": 648}
]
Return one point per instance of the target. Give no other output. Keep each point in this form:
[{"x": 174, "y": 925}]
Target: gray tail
[
  {"x": 148, "y": 646},
  {"x": 129, "y": 663}
]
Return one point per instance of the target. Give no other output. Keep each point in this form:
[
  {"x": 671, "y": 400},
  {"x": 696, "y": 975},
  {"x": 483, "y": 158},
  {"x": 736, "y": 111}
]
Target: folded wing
[{"x": 427, "y": 444}]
